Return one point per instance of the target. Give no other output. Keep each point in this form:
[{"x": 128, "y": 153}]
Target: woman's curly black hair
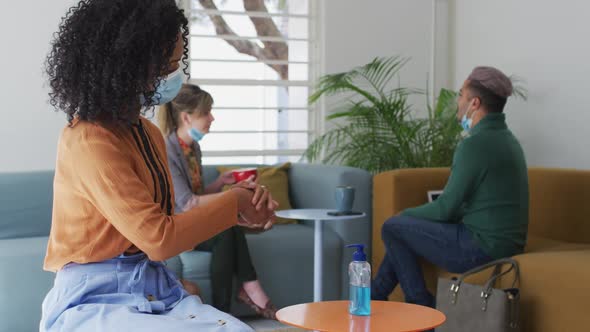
[{"x": 107, "y": 53}]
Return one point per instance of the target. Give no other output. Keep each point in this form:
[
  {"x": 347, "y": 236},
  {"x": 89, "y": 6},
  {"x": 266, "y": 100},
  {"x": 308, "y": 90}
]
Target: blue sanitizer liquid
[{"x": 360, "y": 300}]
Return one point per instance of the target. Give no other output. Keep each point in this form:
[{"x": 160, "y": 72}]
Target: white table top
[{"x": 313, "y": 214}]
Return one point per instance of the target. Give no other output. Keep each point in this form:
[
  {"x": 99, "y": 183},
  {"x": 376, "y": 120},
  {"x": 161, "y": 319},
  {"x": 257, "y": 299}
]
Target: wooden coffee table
[{"x": 386, "y": 316}]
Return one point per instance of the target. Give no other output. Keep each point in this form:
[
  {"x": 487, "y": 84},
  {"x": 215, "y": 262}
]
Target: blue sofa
[{"x": 283, "y": 256}]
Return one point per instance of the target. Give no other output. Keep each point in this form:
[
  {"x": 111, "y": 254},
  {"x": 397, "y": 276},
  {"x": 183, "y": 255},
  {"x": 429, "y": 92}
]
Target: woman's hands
[
  {"x": 255, "y": 205},
  {"x": 261, "y": 197},
  {"x": 226, "y": 178},
  {"x": 216, "y": 186}
]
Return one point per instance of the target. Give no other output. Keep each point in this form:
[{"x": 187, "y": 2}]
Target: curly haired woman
[{"x": 113, "y": 215}]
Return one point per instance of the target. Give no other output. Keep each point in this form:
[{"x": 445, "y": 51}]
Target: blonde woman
[{"x": 184, "y": 121}]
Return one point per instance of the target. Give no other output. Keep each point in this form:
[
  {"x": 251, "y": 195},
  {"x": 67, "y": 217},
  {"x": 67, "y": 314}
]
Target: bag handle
[
  {"x": 488, "y": 287},
  {"x": 490, "y": 283},
  {"x": 497, "y": 264}
]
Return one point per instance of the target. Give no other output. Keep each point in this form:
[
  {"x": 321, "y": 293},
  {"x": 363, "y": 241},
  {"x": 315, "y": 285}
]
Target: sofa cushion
[
  {"x": 195, "y": 265},
  {"x": 174, "y": 264},
  {"x": 23, "y": 283},
  {"x": 554, "y": 290},
  {"x": 559, "y": 206},
  {"x": 25, "y": 204}
]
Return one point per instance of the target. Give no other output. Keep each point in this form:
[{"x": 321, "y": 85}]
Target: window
[{"x": 255, "y": 58}]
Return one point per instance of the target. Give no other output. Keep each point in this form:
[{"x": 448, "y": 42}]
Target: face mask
[
  {"x": 195, "y": 134},
  {"x": 467, "y": 122},
  {"x": 167, "y": 90}
]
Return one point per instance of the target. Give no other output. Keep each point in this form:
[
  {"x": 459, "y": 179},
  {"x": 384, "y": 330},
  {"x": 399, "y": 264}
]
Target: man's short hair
[{"x": 491, "y": 86}]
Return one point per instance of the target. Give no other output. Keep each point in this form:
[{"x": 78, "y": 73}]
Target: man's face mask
[{"x": 467, "y": 122}]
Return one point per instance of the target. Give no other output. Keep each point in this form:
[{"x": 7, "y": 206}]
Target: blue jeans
[{"x": 450, "y": 246}]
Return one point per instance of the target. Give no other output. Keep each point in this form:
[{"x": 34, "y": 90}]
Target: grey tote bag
[{"x": 484, "y": 308}]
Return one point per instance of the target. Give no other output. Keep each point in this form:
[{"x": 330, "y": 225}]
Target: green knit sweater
[{"x": 487, "y": 190}]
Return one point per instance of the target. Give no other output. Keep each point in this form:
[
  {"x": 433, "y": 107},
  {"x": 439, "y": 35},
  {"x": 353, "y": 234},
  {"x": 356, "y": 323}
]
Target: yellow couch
[{"x": 555, "y": 268}]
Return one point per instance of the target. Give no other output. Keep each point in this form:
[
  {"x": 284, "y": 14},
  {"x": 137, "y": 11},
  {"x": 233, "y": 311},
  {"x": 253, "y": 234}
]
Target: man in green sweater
[{"x": 482, "y": 213}]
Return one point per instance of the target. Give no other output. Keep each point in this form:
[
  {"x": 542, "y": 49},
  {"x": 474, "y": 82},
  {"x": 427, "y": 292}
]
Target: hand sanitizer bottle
[{"x": 359, "y": 274}]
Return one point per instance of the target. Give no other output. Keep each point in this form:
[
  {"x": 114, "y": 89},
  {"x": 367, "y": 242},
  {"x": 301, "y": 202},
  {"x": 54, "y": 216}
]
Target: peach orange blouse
[{"x": 113, "y": 194}]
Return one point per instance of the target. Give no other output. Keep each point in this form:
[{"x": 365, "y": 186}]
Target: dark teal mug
[{"x": 344, "y": 196}]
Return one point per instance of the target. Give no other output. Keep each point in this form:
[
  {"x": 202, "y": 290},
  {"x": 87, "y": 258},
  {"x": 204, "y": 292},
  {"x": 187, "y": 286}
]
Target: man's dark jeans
[{"x": 450, "y": 246}]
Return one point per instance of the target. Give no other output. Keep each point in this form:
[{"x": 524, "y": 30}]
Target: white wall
[
  {"x": 545, "y": 42},
  {"x": 355, "y": 32},
  {"x": 358, "y": 31},
  {"x": 29, "y": 127}
]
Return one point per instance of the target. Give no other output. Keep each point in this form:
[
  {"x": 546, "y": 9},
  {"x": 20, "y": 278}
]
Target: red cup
[{"x": 244, "y": 173}]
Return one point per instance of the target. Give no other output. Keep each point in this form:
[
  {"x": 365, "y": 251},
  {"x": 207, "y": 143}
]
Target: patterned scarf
[{"x": 194, "y": 165}]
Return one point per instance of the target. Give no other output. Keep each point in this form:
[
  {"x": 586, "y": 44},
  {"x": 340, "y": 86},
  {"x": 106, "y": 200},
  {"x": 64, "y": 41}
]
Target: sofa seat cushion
[
  {"x": 542, "y": 244},
  {"x": 23, "y": 282},
  {"x": 195, "y": 265},
  {"x": 555, "y": 290}
]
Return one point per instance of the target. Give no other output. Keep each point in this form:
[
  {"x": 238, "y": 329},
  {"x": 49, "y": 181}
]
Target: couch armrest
[
  {"x": 554, "y": 290},
  {"x": 394, "y": 191},
  {"x": 312, "y": 186}
]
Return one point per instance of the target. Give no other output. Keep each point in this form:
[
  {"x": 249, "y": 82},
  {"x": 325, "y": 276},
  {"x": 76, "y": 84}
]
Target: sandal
[{"x": 269, "y": 311}]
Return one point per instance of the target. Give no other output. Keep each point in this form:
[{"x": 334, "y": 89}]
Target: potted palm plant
[{"x": 375, "y": 126}]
